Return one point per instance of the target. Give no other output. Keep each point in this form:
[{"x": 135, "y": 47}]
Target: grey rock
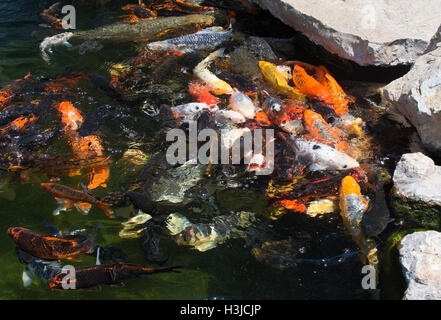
[
  {"x": 417, "y": 178},
  {"x": 420, "y": 258},
  {"x": 417, "y": 96},
  {"x": 380, "y": 33}
]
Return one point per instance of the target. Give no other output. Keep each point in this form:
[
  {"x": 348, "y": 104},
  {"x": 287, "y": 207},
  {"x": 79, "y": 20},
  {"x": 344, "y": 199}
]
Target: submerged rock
[
  {"x": 417, "y": 96},
  {"x": 420, "y": 257},
  {"x": 206, "y": 236},
  {"x": 175, "y": 183},
  {"x": 381, "y": 33},
  {"x": 417, "y": 190}
]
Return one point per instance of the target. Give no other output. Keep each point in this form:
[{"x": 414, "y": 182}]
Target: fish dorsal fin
[{"x": 51, "y": 229}]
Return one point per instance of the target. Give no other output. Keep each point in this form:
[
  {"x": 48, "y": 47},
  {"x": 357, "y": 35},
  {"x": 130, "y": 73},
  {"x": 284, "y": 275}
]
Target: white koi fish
[
  {"x": 322, "y": 157},
  {"x": 241, "y": 103}
]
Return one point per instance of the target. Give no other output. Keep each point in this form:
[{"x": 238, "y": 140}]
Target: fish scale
[{"x": 209, "y": 38}]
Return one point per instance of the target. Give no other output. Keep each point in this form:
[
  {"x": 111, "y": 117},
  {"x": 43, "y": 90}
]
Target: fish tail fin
[{"x": 104, "y": 206}]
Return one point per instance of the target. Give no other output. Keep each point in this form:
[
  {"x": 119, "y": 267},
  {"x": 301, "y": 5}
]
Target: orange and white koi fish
[{"x": 320, "y": 131}]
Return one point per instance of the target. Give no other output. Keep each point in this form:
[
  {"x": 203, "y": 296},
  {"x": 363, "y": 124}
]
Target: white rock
[
  {"x": 417, "y": 96},
  {"x": 417, "y": 178},
  {"x": 381, "y": 32},
  {"x": 420, "y": 257}
]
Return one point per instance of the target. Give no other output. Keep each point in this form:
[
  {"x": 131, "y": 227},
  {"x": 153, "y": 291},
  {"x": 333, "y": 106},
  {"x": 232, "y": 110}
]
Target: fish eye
[
  {"x": 316, "y": 147},
  {"x": 345, "y": 166}
]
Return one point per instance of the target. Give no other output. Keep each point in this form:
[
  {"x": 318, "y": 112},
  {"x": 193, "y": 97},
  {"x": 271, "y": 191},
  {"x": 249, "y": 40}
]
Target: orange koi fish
[
  {"x": 68, "y": 197},
  {"x": 70, "y": 116},
  {"x": 64, "y": 83},
  {"x": 322, "y": 132},
  {"x": 19, "y": 123},
  {"x": 322, "y": 86},
  {"x": 98, "y": 176},
  {"x": 87, "y": 147},
  {"x": 201, "y": 92}
]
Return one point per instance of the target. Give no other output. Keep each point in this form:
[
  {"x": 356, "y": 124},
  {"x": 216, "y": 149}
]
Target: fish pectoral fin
[
  {"x": 83, "y": 207},
  {"x": 63, "y": 205},
  {"x": 27, "y": 278},
  {"x": 316, "y": 167}
]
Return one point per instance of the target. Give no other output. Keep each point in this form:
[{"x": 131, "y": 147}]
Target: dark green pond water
[{"x": 229, "y": 271}]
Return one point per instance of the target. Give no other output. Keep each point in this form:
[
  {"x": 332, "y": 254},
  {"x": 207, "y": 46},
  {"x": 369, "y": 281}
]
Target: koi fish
[
  {"x": 322, "y": 157},
  {"x": 148, "y": 30},
  {"x": 86, "y": 147},
  {"x": 201, "y": 92},
  {"x": 37, "y": 268},
  {"x": 207, "y": 39},
  {"x": 50, "y": 247},
  {"x": 49, "y": 42},
  {"x": 243, "y": 104},
  {"x": 179, "y": 6},
  {"x": 93, "y": 276},
  {"x": 190, "y": 110},
  {"x": 19, "y": 123},
  {"x": 353, "y": 206},
  {"x": 68, "y": 197},
  {"x": 325, "y": 88},
  {"x": 279, "y": 80},
  {"x": 47, "y": 15},
  {"x": 322, "y": 132},
  {"x": 287, "y": 117},
  {"x": 70, "y": 116},
  {"x": 229, "y": 116},
  {"x": 98, "y": 176},
  {"x": 217, "y": 86}
]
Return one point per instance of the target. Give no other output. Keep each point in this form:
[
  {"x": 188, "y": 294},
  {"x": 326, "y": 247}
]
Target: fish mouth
[{"x": 13, "y": 232}]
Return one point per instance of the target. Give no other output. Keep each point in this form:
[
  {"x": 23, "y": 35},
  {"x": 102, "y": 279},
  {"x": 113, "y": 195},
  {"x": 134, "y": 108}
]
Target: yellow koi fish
[{"x": 279, "y": 80}]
